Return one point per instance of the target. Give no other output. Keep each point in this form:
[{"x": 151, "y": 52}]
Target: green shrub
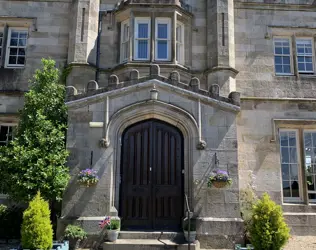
[
  {"x": 115, "y": 224},
  {"x": 268, "y": 230},
  {"x": 37, "y": 232},
  {"x": 75, "y": 232}
]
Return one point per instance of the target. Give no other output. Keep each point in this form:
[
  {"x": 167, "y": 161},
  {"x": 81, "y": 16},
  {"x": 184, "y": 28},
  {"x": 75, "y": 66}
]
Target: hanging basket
[
  {"x": 219, "y": 184},
  {"x": 85, "y": 184}
]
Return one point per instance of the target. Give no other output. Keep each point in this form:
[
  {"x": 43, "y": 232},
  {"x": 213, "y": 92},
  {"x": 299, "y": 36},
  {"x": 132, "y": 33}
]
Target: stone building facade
[{"x": 163, "y": 92}]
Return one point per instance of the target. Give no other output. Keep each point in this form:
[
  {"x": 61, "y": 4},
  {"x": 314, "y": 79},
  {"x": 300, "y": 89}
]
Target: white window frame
[
  {"x": 299, "y": 170},
  {"x": 125, "y": 40},
  {"x": 313, "y": 53},
  {"x": 1, "y": 45},
  {"x": 291, "y": 55},
  {"x": 13, "y": 125},
  {"x": 7, "y": 65},
  {"x": 139, "y": 20},
  {"x": 163, "y": 20},
  {"x": 180, "y": 44}
]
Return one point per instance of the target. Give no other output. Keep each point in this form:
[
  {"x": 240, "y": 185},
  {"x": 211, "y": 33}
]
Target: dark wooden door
[{"x": 151, "y": 177}]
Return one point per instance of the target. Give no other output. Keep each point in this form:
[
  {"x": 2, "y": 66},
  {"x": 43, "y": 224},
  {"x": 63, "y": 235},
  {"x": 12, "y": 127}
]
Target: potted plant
[
  {"x": 88, "y": 177},
  {"x": 75, "y": 235},
  {"x": 189, "y": 237},
  {"x": 112, "y": 226},
  {"x": 219, "y": 179}
]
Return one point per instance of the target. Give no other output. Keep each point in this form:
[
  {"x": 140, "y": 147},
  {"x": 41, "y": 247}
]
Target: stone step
[
  {"x": 155, "y": 235},
  {"x": 148, "y": 244}
]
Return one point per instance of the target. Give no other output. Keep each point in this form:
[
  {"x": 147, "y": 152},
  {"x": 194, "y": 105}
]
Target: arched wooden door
[{"x": 151, "y": 191}]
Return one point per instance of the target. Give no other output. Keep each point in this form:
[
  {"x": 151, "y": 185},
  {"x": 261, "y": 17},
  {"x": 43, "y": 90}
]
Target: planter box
[{"x": 247, "y": 247}]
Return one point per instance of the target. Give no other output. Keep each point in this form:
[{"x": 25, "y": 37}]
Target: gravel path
[{"x": 301, "y": 242}]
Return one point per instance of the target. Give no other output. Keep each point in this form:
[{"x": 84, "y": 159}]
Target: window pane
[
  {"x": 21, "y": 60},
  {"x": 162, "y": 49},
  {"x": 179, "y": 33},
  {"x": 142, "y": 49},
  {"x": 285, "y": 155},
  {"x": 278, "y": 69},
  {"x": 301, "y": 67},
  {"x": 285, "y": 172},
  {"x": 295, "y": 189},
  {"x": 310, "y": 159},
  {"x": 286, "y": 189},
  {"x": 287, "y": 69},
  {"x": 14, "y": 34},
  {"x": 278, "y": 59},
  {"x": 286, "y": 50},
  {"x": 286, "y": 60},
  {"x": 12, "y": 59},
  {"x": 22, "y": 42},
  {"x": 294, "y": 172},
  {"x": 23, "y": 34},
  {"x": 13, "y": 51},
  {"x": 163, "y": 30},
  {"x": 3, "y": 133},
  {"x": 143, "y": 30},
  {"x": 14, "y": 42},
  {"x": 284, "y": 139},
  {"x": 309, "y": 67},
  {"x": 22, "y": 52},
  {"x": 278, "y": 50}
]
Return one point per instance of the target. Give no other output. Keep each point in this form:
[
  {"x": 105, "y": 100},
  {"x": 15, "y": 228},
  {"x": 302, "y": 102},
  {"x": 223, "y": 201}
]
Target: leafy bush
[
  {"x": 115, "y": 224},
  {"x": 10, "y": 222},
  {"x": 75, "y": 232},
  {"x": 268, "y": 230},
  {"x": 37, "y": 232}
]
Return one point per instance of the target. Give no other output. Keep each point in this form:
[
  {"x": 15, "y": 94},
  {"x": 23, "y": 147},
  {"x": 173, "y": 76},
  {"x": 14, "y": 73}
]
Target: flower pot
[
  {"x": 113, "y": 235},
  {"x": 192, "y": 236},
  {"x": 88, "y": 185},
  {"x": 219, "y": 184}
]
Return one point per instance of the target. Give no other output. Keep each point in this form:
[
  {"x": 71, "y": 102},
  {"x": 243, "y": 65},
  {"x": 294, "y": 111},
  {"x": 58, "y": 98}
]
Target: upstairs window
[
  {"x": 304, "y": 49},
  {"x": 124, "y": 40},
  {"x": 16, "y": 47},
  {"x": 142, "y": 36},
  {"x": 163, "y": 43},
  {"x": 282, "y": 56}
]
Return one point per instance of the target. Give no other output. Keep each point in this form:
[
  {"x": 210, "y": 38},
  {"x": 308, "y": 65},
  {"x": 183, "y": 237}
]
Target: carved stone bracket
[
  {"x": 201, "y": 145},
  {"x": 104, "y": 143}
]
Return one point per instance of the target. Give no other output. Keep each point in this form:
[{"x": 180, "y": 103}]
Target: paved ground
[{"x": 301, "y": 242}]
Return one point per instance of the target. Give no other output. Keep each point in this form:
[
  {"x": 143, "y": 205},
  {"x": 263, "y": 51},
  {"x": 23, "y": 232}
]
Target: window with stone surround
[
  {"x": 16, "y": 47},
  {"x": 298, "y": 164},
  {"x": 304, "y": 50},
  {"x": 161, "y": 31},
  {"x": 282, "y": 56}
]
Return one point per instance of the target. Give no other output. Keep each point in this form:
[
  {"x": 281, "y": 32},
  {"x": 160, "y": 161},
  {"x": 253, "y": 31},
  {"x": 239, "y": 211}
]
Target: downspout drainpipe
[{"x": 97, "y": 72}]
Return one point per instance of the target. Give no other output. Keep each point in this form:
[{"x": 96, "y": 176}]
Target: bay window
[{"x": 151, "y": 40}]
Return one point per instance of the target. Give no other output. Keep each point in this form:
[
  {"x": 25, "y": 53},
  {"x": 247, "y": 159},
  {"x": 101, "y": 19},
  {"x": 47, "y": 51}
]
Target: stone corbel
[
  {"x": 105, "y": 142},
  {"x": 201, "y": 144}
]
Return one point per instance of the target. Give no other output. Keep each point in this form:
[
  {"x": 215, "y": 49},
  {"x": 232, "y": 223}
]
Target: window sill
[
  {"x": 148, "y": 63},
  {"x": 14, "y": 67}
]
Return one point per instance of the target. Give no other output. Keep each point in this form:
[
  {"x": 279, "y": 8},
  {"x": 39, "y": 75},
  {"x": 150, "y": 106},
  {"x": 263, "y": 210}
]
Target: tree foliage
[
  {"x": 36, "y": 158},
  {"x": 37, "y": 232},
  {"x": 268, "y": 230}
]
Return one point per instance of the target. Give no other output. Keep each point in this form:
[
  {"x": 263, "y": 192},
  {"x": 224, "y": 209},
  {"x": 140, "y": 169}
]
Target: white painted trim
[
  {"x": 313, "y": 53},
  {"x": 182, "y": 43},
  {"x": 96, "y": 124},
  {"x": 139, "y": 20}
]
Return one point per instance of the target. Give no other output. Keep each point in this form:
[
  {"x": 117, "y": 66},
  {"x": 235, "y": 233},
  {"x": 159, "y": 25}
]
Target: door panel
[{"x": 151, "y": 177}]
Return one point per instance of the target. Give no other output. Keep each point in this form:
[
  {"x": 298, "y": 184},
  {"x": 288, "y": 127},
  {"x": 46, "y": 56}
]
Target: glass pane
[
  {"x": 179, "y": 34},
  {"x": 308, "y": 50},
  {"x": 278, "y": 69},
  {"x": 278, "y": 50},
  {"x": 309, "y": 67},
  {"x": 23, "y": 34},
  {"x": 308, "y": 139},
  {"x": 14, "y": 34},
  {"x": 22, "y": 42},
  {"x": 301, "y": 67},
  {"x": 287, "y": 69},
  {"x": 162, "y": 49},
  {"x": 312, "y": 196},
  {"x": 143, "y": 49},
  {"x": 284, "y": 139},
  {"x": 293, "y": 155},
  {"x": 143, "y": 30},
  {"x": 286, "y": 60},
  {"x": 21, "y": 60},
  {"x": 294, "y": 172},
  {"x": 14, "y": 42},
  {"x": 308, "y": 59},
  {"x": 278, "y": 59},
  {"x": 285, "y": 172},
  {"x": 178, "y": 52},
  {"x": 22, "y": 52},
  {"x": 286, "y": 189},
  {"x": 300, "y": 58},
  {"x": 163, "y": 30},
  {"x": 285, "y": 155},
  {"x": 300, "y": 50},
  {"x": 292, "y": 139},
  {"x": 13, "y": 51},
  {"x": 310, "y": 182},
  {"x": 12, "y": 59},
  {"x": 295, "y": 189},
  {"x": 286, "y": 50}
]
